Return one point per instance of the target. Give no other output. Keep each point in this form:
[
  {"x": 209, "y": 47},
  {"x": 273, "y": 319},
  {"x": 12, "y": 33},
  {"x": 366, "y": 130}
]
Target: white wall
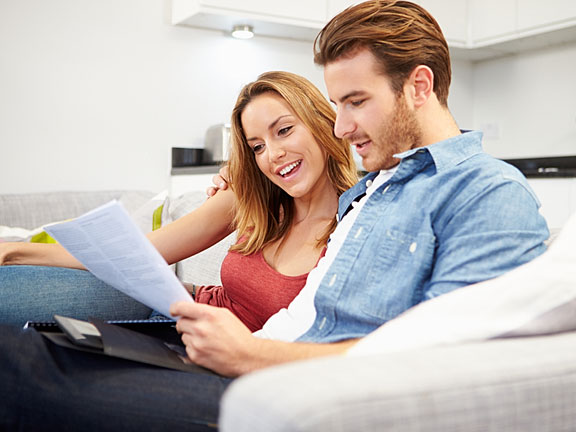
[
  {"x": 93, "y": 94},
  {"x": 461, "y": 98},
  {"x": 526, "y": 104}
]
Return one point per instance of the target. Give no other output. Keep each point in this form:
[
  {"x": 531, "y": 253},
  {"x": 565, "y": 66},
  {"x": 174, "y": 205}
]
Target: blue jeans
[
  {"x": 45, "y": 387},
  {"x": 37, "y": 293}
]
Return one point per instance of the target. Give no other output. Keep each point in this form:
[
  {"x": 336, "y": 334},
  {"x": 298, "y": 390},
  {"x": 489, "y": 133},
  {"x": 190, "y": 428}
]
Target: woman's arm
[
  {"x": 41, "y": 254},
  {"x": 198, "y": 230}
]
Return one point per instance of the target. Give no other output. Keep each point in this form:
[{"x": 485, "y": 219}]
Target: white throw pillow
[{"x": 17, "y": 234}]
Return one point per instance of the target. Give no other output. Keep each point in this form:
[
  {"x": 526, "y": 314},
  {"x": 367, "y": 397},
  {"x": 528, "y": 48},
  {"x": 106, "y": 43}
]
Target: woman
[{"x": 286, "y": 169}]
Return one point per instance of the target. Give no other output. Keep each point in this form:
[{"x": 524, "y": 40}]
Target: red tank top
[{"x": 251, "y": 289}]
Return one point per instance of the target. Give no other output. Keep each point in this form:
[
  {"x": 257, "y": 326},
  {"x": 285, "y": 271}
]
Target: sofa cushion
[
  {"x": 523, "y": 384},
  {"x": 204, "y": 267}
]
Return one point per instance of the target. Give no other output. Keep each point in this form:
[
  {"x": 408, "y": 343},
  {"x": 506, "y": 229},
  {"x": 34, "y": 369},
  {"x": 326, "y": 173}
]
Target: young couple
[
  {"x": 287, "y": 171},
  {"x": 435, "y": 214}
]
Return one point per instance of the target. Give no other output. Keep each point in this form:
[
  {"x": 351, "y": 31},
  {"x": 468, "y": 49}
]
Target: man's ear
[{"x": 420, "y": 85}]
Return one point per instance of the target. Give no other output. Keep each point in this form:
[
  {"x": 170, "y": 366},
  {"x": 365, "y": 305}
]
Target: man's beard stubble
[{"x": 399, "y": 134}]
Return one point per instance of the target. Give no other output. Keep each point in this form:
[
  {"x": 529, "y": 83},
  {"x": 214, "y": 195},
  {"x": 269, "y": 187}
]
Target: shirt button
[{"x": 368, "y": 183}]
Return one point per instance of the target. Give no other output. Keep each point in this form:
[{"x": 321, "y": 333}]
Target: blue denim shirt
[{"x": 450, "y": 216}]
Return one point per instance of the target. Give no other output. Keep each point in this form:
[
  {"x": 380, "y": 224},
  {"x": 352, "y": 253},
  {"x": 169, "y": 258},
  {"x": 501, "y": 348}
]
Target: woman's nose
[{"x": 276, "y": 152}]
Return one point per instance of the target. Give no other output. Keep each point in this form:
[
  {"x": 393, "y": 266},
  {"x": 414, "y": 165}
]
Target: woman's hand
[
  {"x": 15, "y": 253},
  {"x": 215, "y": 338},
  {"x": 220, "y": 181},
  {"x": 7, "y": 253}
]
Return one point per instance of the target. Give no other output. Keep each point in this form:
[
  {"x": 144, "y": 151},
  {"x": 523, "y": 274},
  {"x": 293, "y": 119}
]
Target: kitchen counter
[
  {"x": 546, "y": 167},
  {"x": 194, "y": 170}
]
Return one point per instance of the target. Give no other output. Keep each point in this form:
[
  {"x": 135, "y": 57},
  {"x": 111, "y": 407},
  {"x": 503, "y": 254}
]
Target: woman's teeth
[{"x": 289, "y": 168}]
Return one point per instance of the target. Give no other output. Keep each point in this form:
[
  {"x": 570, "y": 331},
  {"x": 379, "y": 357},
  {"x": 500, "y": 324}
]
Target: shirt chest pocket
[{"x": 400, "y": 263}]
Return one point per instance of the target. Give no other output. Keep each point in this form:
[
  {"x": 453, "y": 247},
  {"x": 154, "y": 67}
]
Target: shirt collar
[{"x": 452, "y": 151}]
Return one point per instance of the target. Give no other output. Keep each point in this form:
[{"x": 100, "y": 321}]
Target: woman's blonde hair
[{"x": 265, "y": 211}]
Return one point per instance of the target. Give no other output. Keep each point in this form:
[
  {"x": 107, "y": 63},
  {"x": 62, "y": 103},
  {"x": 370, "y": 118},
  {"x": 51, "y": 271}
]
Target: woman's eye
[
  {"x": 258, "y": 148},
  {"x": 284, "y": 130},
  {"x": 357, "y": 103}
]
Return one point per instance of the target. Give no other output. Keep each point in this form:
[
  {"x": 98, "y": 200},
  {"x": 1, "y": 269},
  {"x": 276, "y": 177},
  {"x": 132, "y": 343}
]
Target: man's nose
[{"x": 343, "y": 125}]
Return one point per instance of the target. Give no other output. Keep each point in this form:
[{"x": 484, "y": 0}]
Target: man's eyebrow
[
  {"x": 271, "y": 125},
  {"x": 349, "y": 95}
]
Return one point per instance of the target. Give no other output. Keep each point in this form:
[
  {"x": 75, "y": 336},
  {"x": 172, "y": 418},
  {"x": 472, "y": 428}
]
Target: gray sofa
[{"x": 522, "y": 384}]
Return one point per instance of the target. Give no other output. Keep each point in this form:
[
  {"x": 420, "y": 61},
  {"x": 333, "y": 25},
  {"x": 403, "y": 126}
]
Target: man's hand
[
  {"x": 215, "y": 338},
  {"x": 220, "y": 181}
]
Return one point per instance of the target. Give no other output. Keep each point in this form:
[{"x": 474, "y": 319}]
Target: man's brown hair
[{"x": 401, "y": 35}]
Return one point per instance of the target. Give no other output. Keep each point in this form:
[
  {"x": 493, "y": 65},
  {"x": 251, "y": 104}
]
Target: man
[
  {"x": 435, "y": 214},
  {"x": 439, "y": 215}
]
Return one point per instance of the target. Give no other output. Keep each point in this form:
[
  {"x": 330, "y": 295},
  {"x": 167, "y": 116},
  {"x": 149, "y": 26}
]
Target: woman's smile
[{"x": 289, "y": 169}]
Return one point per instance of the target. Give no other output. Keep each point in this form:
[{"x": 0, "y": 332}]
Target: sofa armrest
[{"x": 524, "y": 384}]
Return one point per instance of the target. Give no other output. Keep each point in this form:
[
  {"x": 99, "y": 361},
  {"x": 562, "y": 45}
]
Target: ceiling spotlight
[{"x": 242, "y": 32}]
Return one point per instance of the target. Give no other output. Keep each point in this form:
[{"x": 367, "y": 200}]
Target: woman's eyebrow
[
  {"x": 275, "y": 122},
  {"x": 271, "y": 126}
]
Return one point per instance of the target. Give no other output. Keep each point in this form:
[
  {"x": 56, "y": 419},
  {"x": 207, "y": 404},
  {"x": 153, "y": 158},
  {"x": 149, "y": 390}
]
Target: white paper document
[{"x": 109, "y": 244}]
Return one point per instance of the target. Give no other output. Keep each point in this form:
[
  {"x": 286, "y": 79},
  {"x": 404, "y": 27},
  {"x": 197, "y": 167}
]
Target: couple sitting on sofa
[
  {"x": 433, "y": 216},
  {"x": 288, "y": 216}
]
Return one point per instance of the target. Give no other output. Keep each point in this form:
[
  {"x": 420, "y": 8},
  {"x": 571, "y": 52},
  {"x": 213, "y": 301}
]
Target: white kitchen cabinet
[
  {"x": 450, "y": 14},
  {"x": 296, "y": 19},
  {"x": 337, "y": 6},
  {"x": 453, "y": 19},
  {"x": 300, "y": 10},
  {"x": 474, "y": 29},
  {"x": 511, "y": 26},
  {"x": 491, "y": 21},
  {"x": 545, "y": 15}
]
